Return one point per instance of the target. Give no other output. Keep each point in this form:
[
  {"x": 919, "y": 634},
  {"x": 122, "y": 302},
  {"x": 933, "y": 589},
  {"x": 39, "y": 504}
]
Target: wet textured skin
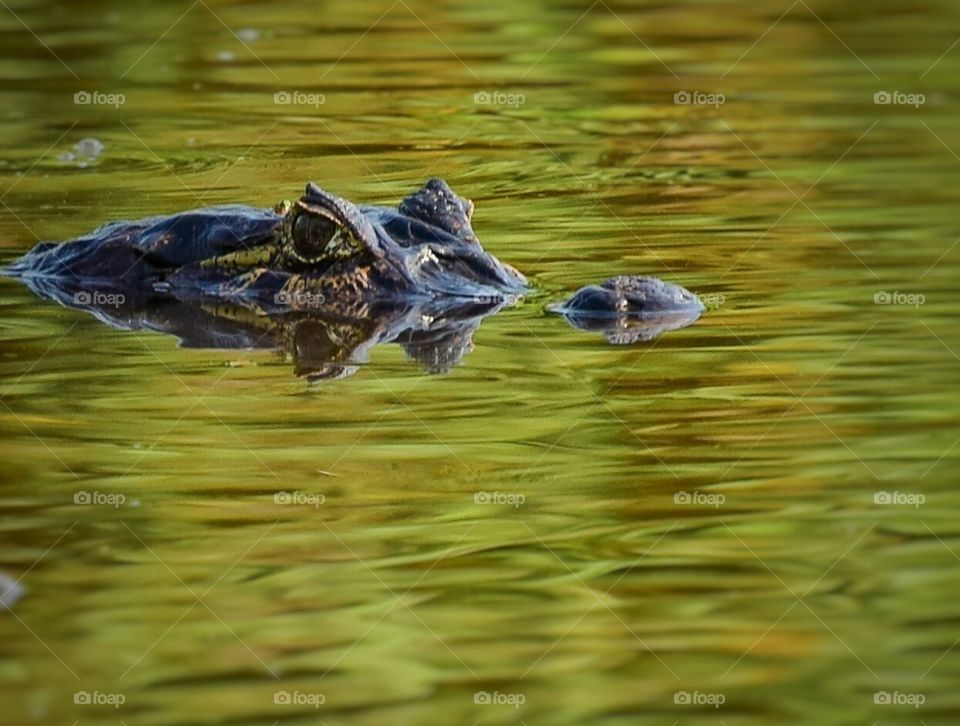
[
  {"x": 324, "y": 279},
  {"x": 319, "y": 246},
  {"x": 628, "y": 309}
]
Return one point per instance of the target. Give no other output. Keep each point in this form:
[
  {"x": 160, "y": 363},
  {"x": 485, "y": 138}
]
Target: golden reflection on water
[{"x": 593, "y": 530}]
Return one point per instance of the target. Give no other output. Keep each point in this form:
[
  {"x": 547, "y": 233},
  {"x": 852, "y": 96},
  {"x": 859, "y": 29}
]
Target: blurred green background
[{"x": 703, "y": 519}]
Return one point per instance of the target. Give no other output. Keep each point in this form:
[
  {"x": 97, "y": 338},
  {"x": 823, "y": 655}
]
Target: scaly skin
[{"x": 352, "y": 276}]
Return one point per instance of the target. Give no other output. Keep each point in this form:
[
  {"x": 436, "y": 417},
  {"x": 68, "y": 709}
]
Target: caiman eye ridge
[{"x": 387, "y": 269}]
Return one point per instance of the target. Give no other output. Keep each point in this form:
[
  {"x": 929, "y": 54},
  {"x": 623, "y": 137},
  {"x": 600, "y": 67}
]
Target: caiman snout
[{"x": 630, "y": 308}]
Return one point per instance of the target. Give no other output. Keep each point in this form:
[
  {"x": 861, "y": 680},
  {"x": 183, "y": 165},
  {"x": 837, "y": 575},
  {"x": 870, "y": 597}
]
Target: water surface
[{"x": 600, "y": 532}]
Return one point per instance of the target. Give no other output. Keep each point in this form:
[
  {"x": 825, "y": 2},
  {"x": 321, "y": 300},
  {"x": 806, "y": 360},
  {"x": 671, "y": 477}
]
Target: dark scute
[
  {"x": 630, "y": 309},
  {"x": 188, "y": 237},
  {"x": 130, "y": 252},
  {"x": 437, "y": 204},
  {"x": 631, "y": 295},
  {"x": 591, "y": 300}
]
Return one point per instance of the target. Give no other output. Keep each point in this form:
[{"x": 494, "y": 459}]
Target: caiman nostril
[
  {"x": 629, "y": 309},
  {"x": 365, "y": 274}
]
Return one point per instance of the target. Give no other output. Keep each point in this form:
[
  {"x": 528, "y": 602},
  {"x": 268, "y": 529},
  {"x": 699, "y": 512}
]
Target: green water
[{"x": 595, "y": 592}]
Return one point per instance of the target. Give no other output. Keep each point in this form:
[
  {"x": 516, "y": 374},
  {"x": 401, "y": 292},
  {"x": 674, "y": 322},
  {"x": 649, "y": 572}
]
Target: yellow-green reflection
[{"x": 602, "y": 595}]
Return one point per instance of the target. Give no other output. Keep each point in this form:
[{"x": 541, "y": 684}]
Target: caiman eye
[{"x": 312, "y": 235}]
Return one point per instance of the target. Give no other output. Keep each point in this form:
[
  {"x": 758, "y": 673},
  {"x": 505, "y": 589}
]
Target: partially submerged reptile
[{"x": 325, "y": 280}]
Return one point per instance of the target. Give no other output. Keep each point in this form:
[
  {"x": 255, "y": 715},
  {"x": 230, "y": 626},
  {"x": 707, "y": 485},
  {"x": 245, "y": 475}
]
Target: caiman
[{"x": 325, "y": 280}]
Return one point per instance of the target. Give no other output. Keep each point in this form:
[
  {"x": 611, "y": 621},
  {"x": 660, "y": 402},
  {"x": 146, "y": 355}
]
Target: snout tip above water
[{"x": 631, "y": 308}]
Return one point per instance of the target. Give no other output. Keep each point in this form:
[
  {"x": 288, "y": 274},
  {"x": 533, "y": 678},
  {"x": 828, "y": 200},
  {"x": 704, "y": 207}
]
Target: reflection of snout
[
  {"x": 627, "y": 330},
  {"x": 632, "y": 295}
]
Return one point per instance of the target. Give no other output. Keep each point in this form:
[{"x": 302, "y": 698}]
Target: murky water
[{"x": 749, "y": 521}]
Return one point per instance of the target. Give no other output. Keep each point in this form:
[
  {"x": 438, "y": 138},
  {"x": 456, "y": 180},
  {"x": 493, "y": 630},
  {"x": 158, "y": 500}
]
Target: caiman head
[
  {"x": 324, "y": 248},
  {"x": 323, "y": 279}
]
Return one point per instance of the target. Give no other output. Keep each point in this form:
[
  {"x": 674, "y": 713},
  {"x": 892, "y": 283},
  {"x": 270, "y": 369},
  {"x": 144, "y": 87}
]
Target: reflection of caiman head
[
  {"x": 322, "y": 344},
  {"x": 325, "y": 349},
  {"x": 323, "y": 279}
]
